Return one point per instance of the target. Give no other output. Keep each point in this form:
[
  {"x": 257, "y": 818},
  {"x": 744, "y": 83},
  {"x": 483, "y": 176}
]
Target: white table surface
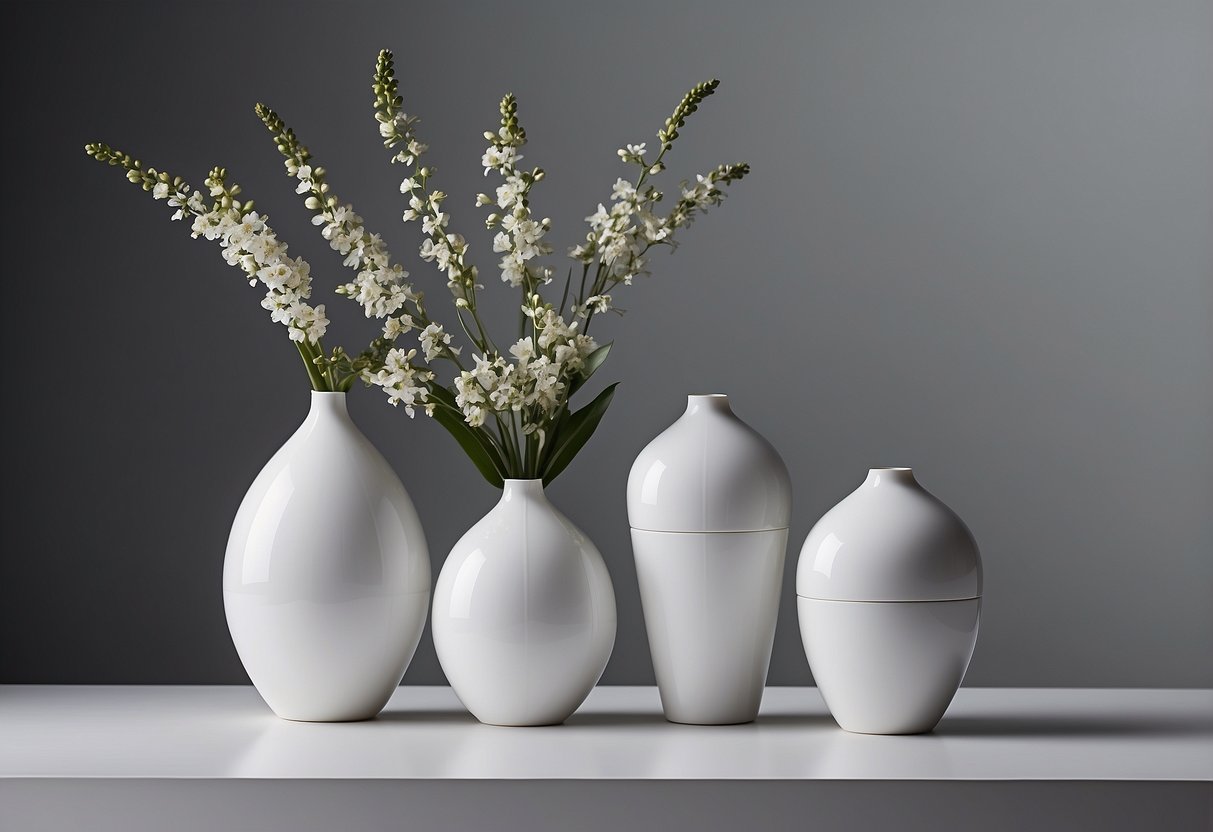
[{"x": 424, "y": 734}]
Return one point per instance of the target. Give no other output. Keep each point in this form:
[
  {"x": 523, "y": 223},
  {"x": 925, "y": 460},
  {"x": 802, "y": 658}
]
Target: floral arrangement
[{"x": 508, "y": 409}]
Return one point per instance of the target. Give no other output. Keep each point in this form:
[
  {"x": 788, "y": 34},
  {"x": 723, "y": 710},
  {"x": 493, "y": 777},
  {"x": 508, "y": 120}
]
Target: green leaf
[
  {"x": 473, "y": 441},
  {"x": 575, "y": 432},
  {"x": 592, "y": 362}
]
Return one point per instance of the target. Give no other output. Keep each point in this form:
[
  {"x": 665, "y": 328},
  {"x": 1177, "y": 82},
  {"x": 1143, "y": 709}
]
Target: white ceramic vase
[
  {"x": 524, "y": 612},
  {"x": 889, "y": 593},
  {"x": 327, "y": 576},
  {"x": 709, "y": 501}
]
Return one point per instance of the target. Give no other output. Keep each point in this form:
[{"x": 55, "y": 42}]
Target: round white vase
[
  {"x": 709, "y": 501},
  {"x": 524, "y": 612},
  {"x": 888, "y": 589},
  {"x": 327, "y": 576}
]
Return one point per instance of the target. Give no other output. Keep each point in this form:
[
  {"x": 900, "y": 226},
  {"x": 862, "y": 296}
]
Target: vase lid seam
[{"x": 890, "y": 600}]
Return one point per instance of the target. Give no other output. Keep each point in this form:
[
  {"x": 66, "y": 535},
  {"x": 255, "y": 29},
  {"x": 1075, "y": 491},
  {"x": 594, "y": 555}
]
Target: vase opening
[
  {"x": 512, "y": 488},
  {"x": 329, "y": 402},
  {"x": 708, "y": 401},
  {"x": 876, "y": 476}
]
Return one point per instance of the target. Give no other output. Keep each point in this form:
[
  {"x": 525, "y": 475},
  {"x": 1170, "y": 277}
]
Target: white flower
[
  {"x": 474, "y": 415},
  {"x": 393, "y": 328},
  {"x": 523, "y": 351},
  {"x": 434, "y": 341},
  {"x": 553, "y": 329},
  {"x": 513, "y": 270},
  {"x": 277, "y": 277},
  {"x": 408, "y": 395},
  {"x": 567, "y": 356},
  {"x": 265, "y": 249},
  {"x": 600, "y": 219},
  {"x": 632, "y": 153},
  {"x": 434, "y": 224},
  {"x": 279, "y": 307},
  {"x": 585, "y": 345},
  {"x": 307, "y": 323},
  {"x": 509, "y": 192},
  {"x": 546, "y": 389},
  {"x": 496, "y": 158},
  {"x": 320, "y": 324},
  {"x": 623, "y": 190},
  {"x": 160, "y": 190},
  {"x": 403, "y": 383},
  {"x": 249, "y": 224},
  {"x": 654, "y": 227}
]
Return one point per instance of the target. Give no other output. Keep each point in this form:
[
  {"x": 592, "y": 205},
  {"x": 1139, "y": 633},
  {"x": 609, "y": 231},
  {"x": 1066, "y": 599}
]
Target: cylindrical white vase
[
  {"x": 524, "y": 612},
  {"x": 326, "y": 581},
  {"x": 709, "y": 501},
  {"x": 888, "y": 589}
]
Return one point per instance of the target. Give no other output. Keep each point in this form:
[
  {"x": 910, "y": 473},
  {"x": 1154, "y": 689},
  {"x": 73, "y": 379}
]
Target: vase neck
[
  {"x": 878, "y": 477},
  {"x": 708, "y": 403},
  {"x": 522, "y": 490},
  {"x": 328, "y": 405}
]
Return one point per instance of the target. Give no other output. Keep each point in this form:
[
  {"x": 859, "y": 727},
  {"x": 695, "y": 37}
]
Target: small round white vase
[
  {"x": 888, "y": 589},
  {"x": 524, "y": 612},
  {"x": 327, "y": 576},
  {"x": 709, "y": 501}
]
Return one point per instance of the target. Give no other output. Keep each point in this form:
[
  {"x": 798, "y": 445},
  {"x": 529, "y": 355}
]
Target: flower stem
[{"x": 313, "y": 372}]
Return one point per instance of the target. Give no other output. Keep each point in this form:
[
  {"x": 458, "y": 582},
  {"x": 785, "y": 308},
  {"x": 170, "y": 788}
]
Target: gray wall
[{"x": 977, "y": 241}]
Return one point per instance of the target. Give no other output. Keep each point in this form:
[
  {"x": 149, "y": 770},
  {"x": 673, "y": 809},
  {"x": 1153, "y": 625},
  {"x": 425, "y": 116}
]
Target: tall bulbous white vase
[
  {"x": 524, "y": 612},
  {"x": 709, "y": 501},
  {"x": 327, "y": 577},
  {"x": 889, "y": 590}
]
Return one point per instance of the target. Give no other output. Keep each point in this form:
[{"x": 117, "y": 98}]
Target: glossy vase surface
[
  {"x": 524, "y": 612},
  {"x": 709, "y": 501},
  {"x": 326, "y": 579},
  {"x": 889, "y": 587}
]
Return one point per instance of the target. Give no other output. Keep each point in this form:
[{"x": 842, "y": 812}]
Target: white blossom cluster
[
  {"x": 621, "y": 235},
  {"x": 534, "y": 383},
  {"x": 404, "y": 382},
  {"x": 520, "y": 239},
  {"x": 381, "y": 287},
  {"x": 443, "y": 248},
  {"x": 249, "y": 243}
]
